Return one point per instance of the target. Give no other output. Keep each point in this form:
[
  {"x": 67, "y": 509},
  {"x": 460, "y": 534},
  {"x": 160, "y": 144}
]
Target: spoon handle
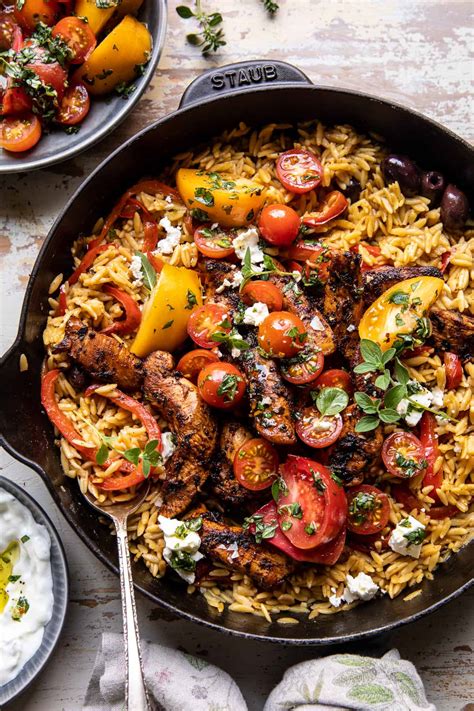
[{"x": 135, "y": 691}]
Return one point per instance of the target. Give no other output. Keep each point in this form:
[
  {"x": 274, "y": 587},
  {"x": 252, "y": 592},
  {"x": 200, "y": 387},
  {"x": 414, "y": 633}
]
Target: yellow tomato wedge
[
  {"x": 211, "y": 197},
  {"x": 165, "y": 315},
  {"x": 399, "y": 310},
  {"x": 97, "y": 17}
]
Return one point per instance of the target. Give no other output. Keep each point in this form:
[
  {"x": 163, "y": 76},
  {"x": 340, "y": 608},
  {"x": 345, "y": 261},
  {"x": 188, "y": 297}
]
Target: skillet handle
[{"x": 241, "y": 76}]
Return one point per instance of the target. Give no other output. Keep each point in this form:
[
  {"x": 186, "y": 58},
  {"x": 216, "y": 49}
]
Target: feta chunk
[
  {"x": 172, "y": 239},
  {"x": 136, "y": 269},
  {"x": 362, "y": 587},
  {"x": 419, "y": 397},
  {"x": 235, "y": 352},
  {"x": 407, "y": 537},
  {"x": 169, "y": 445},
  {"x": 351, "y": 328},
  {"x": 255, "y": 314},
  {"x": 316, "y": 324},
  {"x": 248, "y": 239},
  {"x": 437, "y": 397},
  {"x": 233, "y": 283},
  {"x": 413, "y": 417},
  {"x": 181, "y": 546}
]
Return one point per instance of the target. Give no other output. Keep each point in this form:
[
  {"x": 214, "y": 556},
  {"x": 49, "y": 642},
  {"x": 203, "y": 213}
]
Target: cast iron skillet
[{"x": 257, "y": 93}]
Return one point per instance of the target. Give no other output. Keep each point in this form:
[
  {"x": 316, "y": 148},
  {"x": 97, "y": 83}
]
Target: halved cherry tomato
[
  {"x": 7, "y": 29},
  {"x": 256, "y": 464},
  {"x": 403, "y": 454},
  {"x": 404, "y": 496},
  {"x": 303, "y": 368},
  {"x": 206, "y": 321},
  {"x": 15, "y": 101},
  {"x": 366, "y": 544},
  {"x": 326, "y": 554},
  {"x": 133, "y": 315},
  {"x": 429, "y": 440},
  {"x": 311, "y": 507},
  {"x": 453, "y": 367},
  {"x": 191, "y": 364},
  {"x": 331, "y": 207},
  {"x": 29, "y": 13},
  {"x": 50, "y": 73},
  {"x": 335, "y": 378},
  {"x": 221, "y": 385},
  {"x": 279, "y": 225},
  {"x": 299, "y": 171},
  {"x": 214, "y": 243},
  {"x": 74, "y": 106},
  {"x": 316, "y": 430},
  {"x": 264, "y": 292},
  {"x": 78, "y": 36},
  {"x": 368, "y": 509},
  {"x": 282, "y": 334},
  {"x": 19, "y": 133}
]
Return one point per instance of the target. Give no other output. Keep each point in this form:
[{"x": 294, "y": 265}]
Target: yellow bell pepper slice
[
  {"x": 115, "y": 59},
  {"x": 399, "y": 309},
  {"x": 211, "y": 197},
  {"x": 166, "y": 313},
  {"x": 97, "y": 17}
]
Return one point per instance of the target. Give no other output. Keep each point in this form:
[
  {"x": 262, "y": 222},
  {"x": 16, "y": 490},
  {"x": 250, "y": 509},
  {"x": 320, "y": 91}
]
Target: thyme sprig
[
  {"x": 211, "y": 36},
  {"x": 270, "y": 6}
]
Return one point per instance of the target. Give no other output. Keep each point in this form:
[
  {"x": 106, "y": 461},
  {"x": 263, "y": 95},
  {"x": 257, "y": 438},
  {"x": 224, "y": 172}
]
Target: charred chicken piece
[
  {"x": 103, "y": 357},
  {"x": 235, "y": 548},
  {"x": 453, "y": 332},
  {"x": 354, "y": 452},
  {"x": 193, "y": 425},
  {"x": 376, "y": 281},
  {"x": 224, "y": 484},
  {"x": 343, "y": 302}
]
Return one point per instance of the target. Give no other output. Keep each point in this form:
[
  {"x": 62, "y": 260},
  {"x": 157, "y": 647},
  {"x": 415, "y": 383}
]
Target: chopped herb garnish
[
  {"x": 415, "y": 537},
  {"x": 24, "y": 539},
  {"x": 361, "y": 504},
  {"x": 293, "y": 510},
  {"x": 228, "y": 387},
  {"x": 21, "y": 608},
  {"x": 191, "y": 299},
  {"x": 13, "y": 578},
  {"x": 168, "y": 324}
]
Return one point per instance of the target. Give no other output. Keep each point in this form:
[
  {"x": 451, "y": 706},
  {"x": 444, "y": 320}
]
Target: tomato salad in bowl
[
  {"x": 243, "y": 333},
  {"x": 57, "y": 56}
]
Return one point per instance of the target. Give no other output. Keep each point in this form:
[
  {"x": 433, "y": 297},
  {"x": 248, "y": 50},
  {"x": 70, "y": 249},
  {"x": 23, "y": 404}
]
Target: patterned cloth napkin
[{"x": 181, "y": 682}]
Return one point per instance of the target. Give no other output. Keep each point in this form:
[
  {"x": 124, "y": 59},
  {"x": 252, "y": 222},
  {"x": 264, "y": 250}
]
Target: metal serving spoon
[{"x": 136, "y": 696}]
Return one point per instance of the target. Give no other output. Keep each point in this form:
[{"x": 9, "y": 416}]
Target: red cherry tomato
[
  {"x": 282, "y": 334},
  {"x": 368, "y": 510},
  {"x": 214, "y": 243},
  {"x": 326, "y": 554},
  {"x": 316, "y": 430},
  {"x": 303, "y": 368},
  {"x": 34, "y": 11},
  {"x": 256, "y": 464},
  {"x": 299, "y": 171},
  {"x": 78, "y": 36},
  {"x": 74, "y": 106},
  {"x": 221, "y": 385},
  {"x": 206, "y": 321},
  {"x": 335, "y": 378},
  {"x": 15, "y": 101},
  {"x": 366, "y": 544},
  {"x": 50, "y": 73},
  {"x": 404, "y": 496},
  {"x": 311, "y": 507},
  {"x": 191, "y": 364},
  {"x": 279, "y": 225},
  {"x": 331, "y": 207},
  {"x": 453, "y": 367},
  {"x": 7, "y": 30},
  {"x": 429, "y": 440},
  {"x": 302, "y": 250},
  {"x": 403, "y": 454},
  {"x": 264, "y": 292},
  {"x": 19, "y": 133}
]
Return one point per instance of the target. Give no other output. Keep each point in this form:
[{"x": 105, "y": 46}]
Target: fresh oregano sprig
[{"x": 211, "y": 36}]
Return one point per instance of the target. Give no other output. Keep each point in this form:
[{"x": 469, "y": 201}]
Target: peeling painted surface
[{"x": 416, "y": 52}]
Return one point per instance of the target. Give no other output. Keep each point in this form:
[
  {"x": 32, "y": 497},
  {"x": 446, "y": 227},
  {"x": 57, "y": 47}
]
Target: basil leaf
[
  {"x": 401, "y": 373},
  {"x": 383, "y": 381},
  {"x": 102, "y": 454},
  {"x": 367, "y": 423},
  {"x": 394, "y": 396},
  {"x": 149, "y": 274},
  {"x": 366, "y": 403},
  {"x": 331, "y": 401},
  {"x": 387, "y": 415},
  {"x": 370, "y": 351},
  {"x": 364, "y": 368}
]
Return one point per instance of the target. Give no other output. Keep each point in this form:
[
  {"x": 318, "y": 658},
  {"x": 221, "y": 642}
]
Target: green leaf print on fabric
[
  {"x": 308, "y": 695},
  {"x": 407, "y": 686},
  {"x": 354, "y": 676},
  {"x": 196, "y": 662},
  {"x": 351, "y": 661},
  {"x": 371, "y": 694}
]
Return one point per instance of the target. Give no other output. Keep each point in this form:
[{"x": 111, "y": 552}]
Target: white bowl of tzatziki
[{"x": 28, "y": 544}]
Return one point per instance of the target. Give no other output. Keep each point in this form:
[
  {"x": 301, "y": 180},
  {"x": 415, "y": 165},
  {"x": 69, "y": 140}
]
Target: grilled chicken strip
[
  {"x": 343, "y": 303},
  {"x": 453, "y": 332},
  {"x": 103, "y": 357},
  {"x": 193, "y": 425},
  {"x": 224, "y": 484},
  {"x": 376, "y": 281},
  {"x": 354, "y": 452},
  {"x": 236, "y": 549}
]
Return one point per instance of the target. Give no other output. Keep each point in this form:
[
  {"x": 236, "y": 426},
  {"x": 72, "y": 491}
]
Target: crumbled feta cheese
[
  {"x": 362, "y": 587},
  {"x": 169, "y": 445},
  {"x": 172, "y": 239},
  {"x": 266, "y": 400},
  {"x": 136, "y": 269},
  {"x": 407, "y": 537},
  {"x": 255, "y": 314},
  {"x": 316, "y": 324},
  {"x": 235, "y": 352},
  {"x": 187, "y": 543},
  {"x": 413, "y": 417},
  {"x": 168, "y": 198},
  {"x": 351, "y": 328},
  {"x": 335, "y": 600},
  {"x": 424, "y": 398},
  {"x": 297, "y": 276},
  {"x": 402, "y": 407},
  {"x": 248, "y": 239},
  {"x": 418, "y": 396},
  {"x": 233, "y": 283},
  {"x": 321, "y": 425},
  {"x": 438, "y": 397}
]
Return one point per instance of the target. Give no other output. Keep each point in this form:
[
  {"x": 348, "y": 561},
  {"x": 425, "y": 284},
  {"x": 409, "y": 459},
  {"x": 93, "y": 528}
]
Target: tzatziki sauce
[{"x": 26, "y": 585}]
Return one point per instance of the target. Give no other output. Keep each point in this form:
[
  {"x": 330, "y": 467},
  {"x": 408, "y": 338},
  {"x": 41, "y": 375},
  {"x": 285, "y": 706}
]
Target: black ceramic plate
[
  {"x": 53, "y": 629},
  {"x": 105, "y": 115}
]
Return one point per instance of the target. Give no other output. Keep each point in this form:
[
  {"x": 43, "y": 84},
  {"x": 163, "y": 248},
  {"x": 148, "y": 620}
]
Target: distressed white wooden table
[{"x": 413, "y": 51}]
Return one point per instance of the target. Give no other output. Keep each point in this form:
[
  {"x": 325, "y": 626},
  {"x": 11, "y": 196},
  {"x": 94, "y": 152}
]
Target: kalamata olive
[
  {"x": 454, "y": 208},
  {"x": 432, "y": 186},
  {"x": 402, "y": 170},
  {"x": 352, "y": 191}
]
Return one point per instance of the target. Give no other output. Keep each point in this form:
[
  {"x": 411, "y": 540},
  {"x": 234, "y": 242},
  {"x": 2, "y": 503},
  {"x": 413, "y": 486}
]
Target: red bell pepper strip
[
  {"x": 445, "y": 259},
  {"x": 402, "y": 494},
  {"x": 62, "y": 301},
  {"x": 86, "y": 262},
  {"x": 439, "y": 512},
  {"x": 331, "y": 207},
  {"x": 133, "y": 314},
  {"x": 453, "y": 367},
  {"x": 429, "y": 440},
  {"x": 150, "y": 228}
]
